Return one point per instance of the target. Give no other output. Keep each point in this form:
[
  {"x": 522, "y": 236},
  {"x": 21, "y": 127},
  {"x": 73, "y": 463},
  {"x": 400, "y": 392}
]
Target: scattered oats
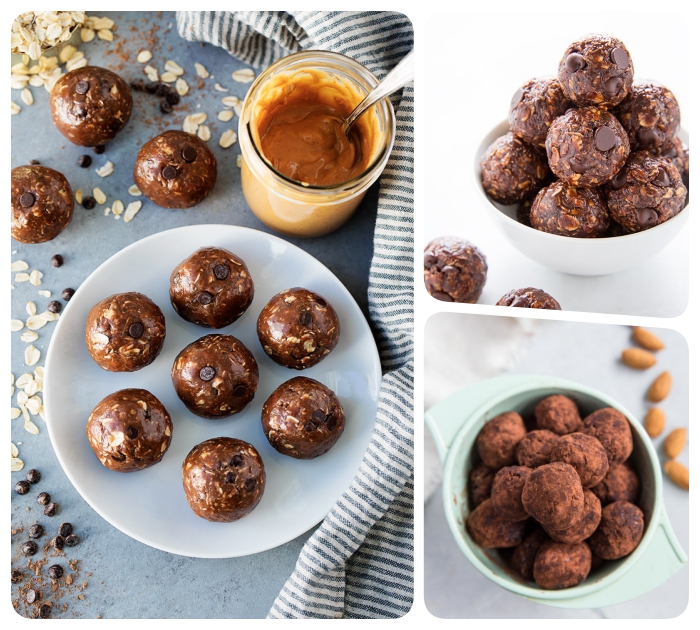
[
  {"x": 39, "y": 373},
  {"x": 17, "y": 325},
  {"x": 87, "y": 35},
  {"x": 204, "y": 133},
  {"x": 99, "y": 196},
  {"x": 35, "y": 322},
  {"x": 106, "y": 34},
  {"x": 66, "y": 53},
  {"x": 108, "y": 211},
  {"x": 199, "y": 119},
  {"x": 22, "y": 398},
  {"x": 144, "y": 56},
  {"x": 134, "y": 191},
  {"x": 75, "y": 57},
  {"x": 17, "y": 464},
  {"x": 74, "y": 64},
  {"x": 14, "y": 451},
  {"x": 31, "y": 388},
  {"x": 34, "y": 405},
  {"x": 23, "y": 379},
  {"x": 202, "y": 72},
  {"x": 101, "y": 23},
  {"x": 44, "y": 293},
  {"x": 48, "y": 316},
  {"x": 238, "y": 108},
  {"x": 16, "y": 109},
  {"x": 151, "y": 73},
  {"x": 131, "y": 211},
  {"x": 22, "y": 277},
  {"x": 31, "y": 308},
  {"x": 228, "y": 139},
  {"x": 35, "y": 277},
  {"x": 230, "y": 101},
  {"x": 181, "y": 86},
  {"x": 27, "y": 96},
  {"x": 19, "y": 265},
  {"x": 31, "y": 427},
  {"x": 19, "y": 81},
  {"x": 225, "y": 115},
  {"x": 220, "y": 88},
  {"x": 168, "y": 77},
  {"x": 117, "y": 216},
  {"x": 174, "y": 67},
  {"x": 79, "y": 196},
  {"x": 29, "y": 336},
  {"x": 117, "y": 207},
  {"x": 244, "y": 75},
  {"x": 36, "y": 81},
  {"x": 31, "y": 355},
  {"x": 106, "y": 170},
  {"x": 189, "y": 126},
  {"x": 239, "y": 160},
  {"x": 15, "y": 413},
  {"x": 19, "y": 68}
]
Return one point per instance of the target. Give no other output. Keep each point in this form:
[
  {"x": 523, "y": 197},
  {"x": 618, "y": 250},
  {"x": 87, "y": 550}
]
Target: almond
[
  {"x": 678, "y": 473},
  {"x": 655, "y": 421},
  {"x": 660, "y": 388},
  {"x": 675, "y": 442},
  {"x": 638, "y": 359},
  {"x": 647, "y": 339}
]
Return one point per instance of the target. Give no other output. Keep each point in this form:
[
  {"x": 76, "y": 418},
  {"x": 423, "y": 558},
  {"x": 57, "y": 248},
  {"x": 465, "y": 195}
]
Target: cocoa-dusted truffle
[
  {"x": 529, "y": 297},
  {"x": 480, "y": 484},
  {"x": 507, "y": 491},
  {"x": 553, "y": 495},
  {"x": 583, "y": 527},
  {"x": 534, "y": 107},
  {"x": 557, "y": 413},
  {"x": 612, "y": 430},
  {"x": 499, "y": 438},
  {"x": 559, "y": 565},
  {"x": 523, "y": 559},
  {"x": 454, "y": 270},
  {"x": 620, "y": 484},
  {"x": 585, "y": 453},
  {"x": 620, "y": 531},
  {"x": 489, "y": 530},
  {"x": 535, "y": 448}
]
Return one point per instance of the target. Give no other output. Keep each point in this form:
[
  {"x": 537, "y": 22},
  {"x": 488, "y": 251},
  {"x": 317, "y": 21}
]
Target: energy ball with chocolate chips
[
  {"x": 557, "y": 413},
  {"x": 215, "y": 376},
  {"x": 507, "y": 491},
  {"x": 488, "y": 529},
  {"x": 454, "y": 270},
  {"x": 612, "y": 430},
  {"x": 513, "y": 170},
  {"x": 42, "y": 204},
  {"x": 647, "y": 192},
  {"x": 523, "y": 559},
  {"x": 620, "y": 484},
  {"x": 90, "y": 105},
  {"x": 596, "y": 70},
  {"x": 586, "y": 147},
  {"x": 585, "y": 453},
  {"x": 480, "y": 484},
  {"x": 529, "y": 297},
  {"x": 535, "y": 448},
  {"x": 553, "y": 495},
  {"x": 559, "y": 565},
  {"x": 620, "y": 531},
  {"x": 499, "y": 438},
  {"x": 303, "y": 418},
  {"x": 583, "y": 527},
  {"x": 298, "y": 328},
  {"x": 175, "y": 170},
  {"x": 534, "y": 107},
  {"x": 128, "y": 430},
  {"x": 211, "y": 288},
  {"x": 125, "y": 332}
]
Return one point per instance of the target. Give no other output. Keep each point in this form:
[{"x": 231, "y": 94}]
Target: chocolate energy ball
[
  {"x": 534, "y": 107},
  {"x": 585, "y": 453},
  {"x": 215, "y": 376},
  {"x": 570, "y": 211},
  {"x": 523, "y": 559},
  {"x": 507, "y": 491},
  {"x": 678, "y": 153},
  {"x": 559, "y": 565},
  {"x": 529, "y": 297},
  {"x": 612, "y": 430},
  {"x": 211, "y": 288},
  {"x": 480, "y": 484},
  {"x": 513, "y": 170},
  {"x": 454, "y": 270},
  {"x": 298, "y": 328},
  {"x": 90, "y": 105},
  {"x": 558, "y": 414},
  {"x": 488, "y": 529},
  {"x": 499, "y": 438},
  {"x": 553, "y": 495},
  {"x": 125, "y": 332},
  {"x": 651, "y": 116},
  {"x": 648, "y": 191},
  {"x": 224, "y": 479},
  {"x": 586, "y": 147},
  {"x": 42, "y": 204},
  {"x": 582, "y": 528},
  {"x": 535, "y": 448},
  {"x": 620, "y": 484},
  {"x": 596, "y": 70},
  {"x": 129, "y": 430},
  {"x": 620, "y": 531},
  {"x": 303, "y": 418},
  {"x": 175, "y": 170}
]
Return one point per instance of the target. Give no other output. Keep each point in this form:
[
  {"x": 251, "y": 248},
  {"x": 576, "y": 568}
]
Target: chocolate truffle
[
  {"x": 558, "y": 414},
  {"x": 129, "y": 430},
  {"x": 224, "y": 479},
  {"x": 612, "y": 430},
  {"x": 90, "y": 105},
  {"x": 513, "y": 170},
  {"x": 480, "y": 484},
  {"x": 529, "y": 297},
  {"x": 585, "y": 453},
  {"x": 596, "y": 70},
  {"x": 454, "y": 270},
  {"x": 569, "y": 211},
  {"x": 534, "y": 107},
  {"x": 42, "y": 204},
  {"x": 535, "y": 448},
  {"x": 620, "y": 531},
  {"x": 553, "y": 495},
  {"x": 507, "y": 491},
  {"x": 523, "y": 559},
  {"x": 488, "y": 529},
  {"x": 298, "y": 328},
  {"x": 125, "y": 332},
  {"x": 175, "y": 170},
  {"x": 583, "y": 527},
  {"x": 211, "y": 288},
  {"x": 303, "y": 418},
  {"x": 215, "y": 376},
  {"x": 499, "y": 438},
  {"x": 620, "y": 484},
  {"x": 586, "y": 147},
  {"x": 559, "y": 565}
]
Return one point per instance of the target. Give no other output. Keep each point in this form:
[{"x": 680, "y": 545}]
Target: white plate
[{"x": 150, "y": 505}]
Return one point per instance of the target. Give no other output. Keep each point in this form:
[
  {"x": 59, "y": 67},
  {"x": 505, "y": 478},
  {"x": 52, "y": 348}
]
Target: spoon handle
[{"x": 400, "y": 76}]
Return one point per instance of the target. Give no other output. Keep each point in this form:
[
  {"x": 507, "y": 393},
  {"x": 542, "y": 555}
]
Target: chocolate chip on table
[
  {"x": 31, "y": 596},
  {"x": 162, "y": 89},
  {"x": 29, "y": 548},
  {"x": 220, "y": 271},
  {"x": 65, "y": 529},
  {"x": 82, "y": 87},
  {"x": 136, "y": 330},
  {"x": 17, "y": 576},
  {"x": 55, "y": 571},
  {"x": 166, "y": 108},
  {"x": 84, "y": 161},
  {"x": 27, "y": 200},
  {"x": 43, "y": 498},
  {"x": 22, "y": 487},
  {"x": 169, "y": 172},
  {"x": 67, "y": 294},
  {"x": 189, "y": 154},
  {"x": 305, "y": 319},
  {"x": 207, "y": 373},
  {"x": 51, "y": 509},
  {"x": 239, "y": 390},
  {"x": 99, "y": 150},
  {"x": 34, "y": 162},
  {"x": 36, "y": 531},
  {"x": 172, "y": 98},
  {"x": 57, "y": 261},
  {"x": 33, "y": 476},
  {"x": 55, "y": 306},
  {"x": 45, "y": 611},
  {"x": 205, "y": 298},
  {"x": 72, "y": 540},
  {"x": 89, "y": 203},
  {"x": 58, "y": 542}
]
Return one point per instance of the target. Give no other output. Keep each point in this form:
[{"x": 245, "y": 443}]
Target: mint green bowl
[{"x": 455, "y": 424}]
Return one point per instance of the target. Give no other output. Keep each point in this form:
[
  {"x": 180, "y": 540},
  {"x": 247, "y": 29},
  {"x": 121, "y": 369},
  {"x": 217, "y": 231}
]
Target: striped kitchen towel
[{"x": 359, "y": 562}]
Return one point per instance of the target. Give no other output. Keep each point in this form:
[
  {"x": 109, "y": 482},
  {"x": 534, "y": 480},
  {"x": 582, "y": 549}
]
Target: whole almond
[
  {"x": 655, "y": 421},
  {"x": 675, "y": 442},
  {"x": 638, "y": 359},
  {"x": 678, "y": 473},
  {"x": 660, "y": 388},
  {"x": 647, "y": 339}
]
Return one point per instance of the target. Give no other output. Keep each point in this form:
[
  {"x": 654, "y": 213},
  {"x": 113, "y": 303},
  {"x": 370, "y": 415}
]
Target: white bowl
[{"x": 578, "y": 256}]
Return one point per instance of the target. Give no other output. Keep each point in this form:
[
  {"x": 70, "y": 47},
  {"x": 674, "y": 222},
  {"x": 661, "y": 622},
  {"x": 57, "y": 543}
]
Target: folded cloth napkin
[{"x": 359, "y": 562}]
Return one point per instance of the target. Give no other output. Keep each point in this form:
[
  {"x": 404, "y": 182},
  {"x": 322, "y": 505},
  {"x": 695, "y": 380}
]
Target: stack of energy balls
[{"x": 590, "y": 154}]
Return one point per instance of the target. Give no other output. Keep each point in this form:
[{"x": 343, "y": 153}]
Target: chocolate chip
[
  {"x": 162, "y": 89},
  {"x": 132, "y": 432},
  {"x": 89, "y": 203},
  {"x": 54, "y": 306},
  {"x": 605, "y": 139},
  {"x": 249, "y": 484},
  {"x": 72, "y": 540},
  {"x": 205, "y": 298},
  {"x": 207, "y": 373},
  {"x": 236, "y": 460},
  {"x": 29, "y": 548},
  {"x": 517, "y": 97},
  {"x": 36, "y": 531},
  {"x": 173, "y": 98},
  {"x": 648, "y": 136},
  {"x": 118, "y": 457},
  {"x": 619, "y": 180},
  {"x": 429, "y": 260},
  {"x": 443, "y": 297},
  {"x": 82, "y": 87},
  {"x": 575, "y": 62},
  {"x": 165, "y": 107},
  {"x": 84, "y": 161},
  {"x": 65, "y": 529},
  {"x": 30, "y": 596},
  {"x": 138, "y": 86},
  {"x": 21, "y": 487},
  {"x": 662, "y": 178},
  {"x": 170, "y": 172},
  {"x": 579, "y": 164},
  {"x": 57, "y": 543},
  {"x": 34, "y": 162},
  {"x": 100, "y": 149},
  {"x": 620, "y": 57},
  {"x": 613, "y": 85},
  {"x": 221, "y": 272},
  {"x": 16, "y": 576},
  {"x": 67, "y": 294},
  {"x": 305, "y": 319},
  {"x": 331, "y": 422},
  {"x": 136, "y": 330},
  {"x": 321, "y": 302},
  {"x": 647, "y": 216},
  {"x": 55, "y": 571},
  {"x": 51, "y": 509},
  {"x": 33, "y": 476},
  {"x": 318, "y": 416},
  {"x": 671, "y": 152},
  {"x": 45, "y": 611},
  {"x": 239, "y": 390},
  {"x": 309, "y": 426},
  {"x": 230, "y": 477},
  {"x": 43, "y": 498},
  {"x": 189, "y": 154},
  {"x": 27, "y": 200},
  {"x": 57, "y": 261}
]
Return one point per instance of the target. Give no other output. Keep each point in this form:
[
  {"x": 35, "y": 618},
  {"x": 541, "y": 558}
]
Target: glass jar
[{"x": 300, "y": 209}]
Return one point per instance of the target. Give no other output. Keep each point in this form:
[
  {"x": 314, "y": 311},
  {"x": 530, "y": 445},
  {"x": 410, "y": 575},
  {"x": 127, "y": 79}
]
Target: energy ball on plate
[
  {"x": 298, "y": 328},
  {"x": 499, "y": 438},
  {"x": 596, "y": 70},
  {"x": 583, "y": 527},
  {"x": 129, "y": 430},
  {"x": 90, "y": 105},
  {"x": 125, "y": 332},
  {"x": 211, "y": 288},
  {"x": 513, "y": 170},
  {"x": 620, "y": 484},
  {"x": 175, "y": 170},
  {"x": 535, "y": 448},
  {"x": 612, "y": 430},
  {"x": 559, "y": 565},
  {"x": 557, "y": 413},
  {"x": 523, "y": 559},
  {"x": 534, "y": 107},
  {"x": 587, "y": 147},
  {"x": 507, "y": 491},
  {"x": 454, "y": 270},
  {"x": 215, "y": 376},
  {"x": 224, "y": 479},
  {"x": 585, "y": 454},
  {"x": 488, "y": 529},
  {"x": 553, "y": 495},
  {"x": 620, "y": 531},
  {"x": 303, "y": 418},
  {"x": 529, "y": 297},
  {"x": 480, "y": 484}
]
